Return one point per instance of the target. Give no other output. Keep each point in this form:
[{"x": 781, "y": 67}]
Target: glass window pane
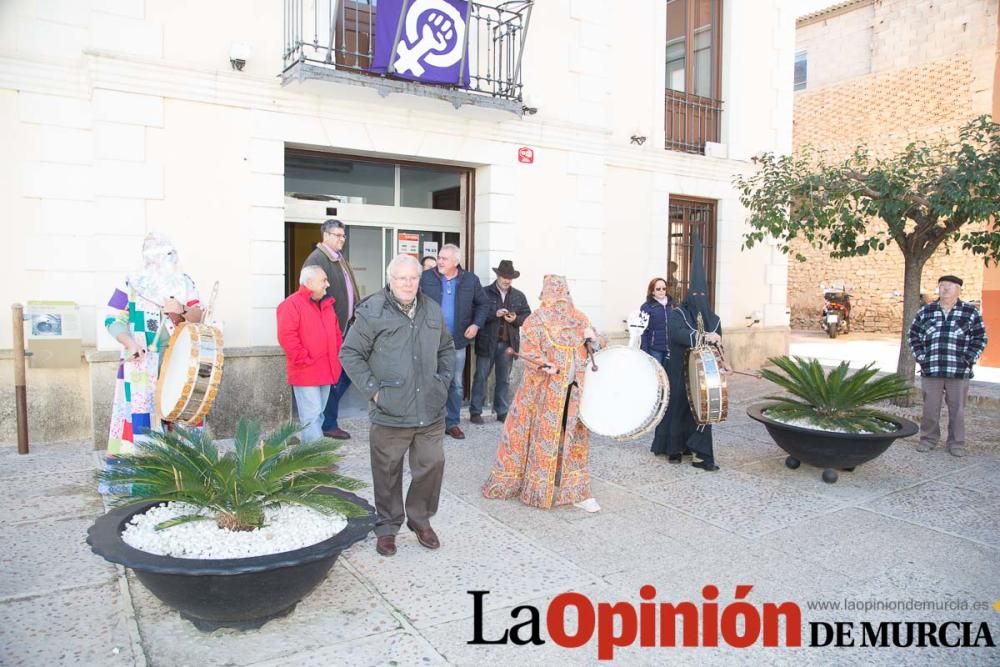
[
  {"x": 428, "y": 188},
  {"x": 364, "y": 252},
  {"x": 676, "y": 43},
  {"x": 801, "y": 63},
  {"x": 350, "y": 181},
  {"x": 703, "y": 63},
  {"x": 702, "y": 52}
]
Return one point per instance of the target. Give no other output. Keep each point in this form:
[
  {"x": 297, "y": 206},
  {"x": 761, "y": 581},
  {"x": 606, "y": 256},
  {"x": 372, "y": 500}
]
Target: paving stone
[
  {"x": 974, "y": 515},
  {"x": 49, "y": 497},
  {"x": 45, "y": 556},
  {"x": 863, "y": 544},
  {"x": 431, "y": 586},
  {"x": 983, "y": 477},
  {"x": 745, "y": 504},
  {"x": 339, "y": 610},
  {"x": 83, "y": 626},
  {"x": 394, "y": 648}
]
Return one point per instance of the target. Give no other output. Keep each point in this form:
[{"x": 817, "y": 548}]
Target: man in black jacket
[
  {"x": 507, "y": 311},
  {"x": 329, "y": 256},
  {"x": 465, "y": 307}
]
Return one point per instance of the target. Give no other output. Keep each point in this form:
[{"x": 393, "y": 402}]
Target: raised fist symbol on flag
[{"x": 435, "y": 36}]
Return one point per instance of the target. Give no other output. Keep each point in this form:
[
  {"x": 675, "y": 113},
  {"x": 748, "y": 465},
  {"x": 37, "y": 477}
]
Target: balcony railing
[
  {"x": 335, "y": 40},
  {"x": 691, "y": 120}
]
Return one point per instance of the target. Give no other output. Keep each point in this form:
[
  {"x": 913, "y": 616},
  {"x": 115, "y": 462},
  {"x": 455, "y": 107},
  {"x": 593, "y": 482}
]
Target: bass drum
[
  {"x": 626, "y": 396},
  {"x": 707, "y": 389},
  {"x": 190, "y": 374}
]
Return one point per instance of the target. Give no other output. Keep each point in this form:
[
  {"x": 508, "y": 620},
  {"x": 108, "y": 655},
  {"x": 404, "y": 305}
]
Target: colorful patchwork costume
[{"x": 135, "y": 308}]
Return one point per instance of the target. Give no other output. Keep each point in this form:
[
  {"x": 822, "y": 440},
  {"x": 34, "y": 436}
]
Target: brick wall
[{"x": 931, "y": 70}]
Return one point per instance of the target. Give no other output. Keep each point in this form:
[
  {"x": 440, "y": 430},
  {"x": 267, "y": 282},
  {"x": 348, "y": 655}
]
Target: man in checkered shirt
[{"x": 946, "y": 338}]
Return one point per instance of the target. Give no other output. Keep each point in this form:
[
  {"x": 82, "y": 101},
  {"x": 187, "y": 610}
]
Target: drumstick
[
  {"x": 589, "y": 344},
  {"x": 211, "y": 302},
  {"x": 539, "y": 364}
]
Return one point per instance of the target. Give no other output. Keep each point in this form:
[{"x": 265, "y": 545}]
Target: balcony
[
  {"x": 335, "y": 40},
  {"x": 691, "y": 120}
]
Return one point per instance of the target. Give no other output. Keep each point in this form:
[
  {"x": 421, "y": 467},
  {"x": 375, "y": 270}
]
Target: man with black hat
[
  {"x": 946, "y": 338},
  {"x": 508, "y": 308}
]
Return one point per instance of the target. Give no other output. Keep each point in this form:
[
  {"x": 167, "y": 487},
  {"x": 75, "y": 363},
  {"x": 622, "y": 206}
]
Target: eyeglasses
[
  {"x": 339, "y": 235},
  {"x": 659, "y": 289}
]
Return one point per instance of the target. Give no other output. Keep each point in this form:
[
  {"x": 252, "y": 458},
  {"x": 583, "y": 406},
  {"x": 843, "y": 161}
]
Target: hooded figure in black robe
[{"x": 678, "y": 433}]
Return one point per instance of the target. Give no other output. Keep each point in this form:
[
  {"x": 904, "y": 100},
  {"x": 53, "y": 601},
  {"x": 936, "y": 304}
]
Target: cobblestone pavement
[{"x": 905, "y": 527}]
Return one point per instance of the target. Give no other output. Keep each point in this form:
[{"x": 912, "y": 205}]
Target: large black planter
[
  {"x": 241, "y": 593},
  {"x": 824, "y": 449}
]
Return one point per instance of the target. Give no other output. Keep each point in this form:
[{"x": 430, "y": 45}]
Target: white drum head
[
  {"x": 623, "y": 395},
  {"x": 174, "y": 373}
]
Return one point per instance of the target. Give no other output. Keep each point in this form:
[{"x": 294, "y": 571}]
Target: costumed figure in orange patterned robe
[{"x": 542, "y": 456}]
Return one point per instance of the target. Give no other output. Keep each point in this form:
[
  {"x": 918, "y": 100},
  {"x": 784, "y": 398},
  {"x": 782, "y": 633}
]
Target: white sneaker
[{"x": 588, "y": 505}]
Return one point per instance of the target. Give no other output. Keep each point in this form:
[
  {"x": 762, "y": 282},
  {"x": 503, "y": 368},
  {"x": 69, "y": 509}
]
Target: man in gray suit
[{"x": 400, "y": 354}]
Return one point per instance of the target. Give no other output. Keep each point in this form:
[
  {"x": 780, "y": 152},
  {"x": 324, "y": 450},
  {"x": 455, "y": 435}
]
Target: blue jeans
[
  {"x": 662, "y": 357},
  {"x": 309, "y": 402},
  {"x": 455, "y": 391},
  {"x": 332, "y": 410},
  {"x": 501, "y": 393}
]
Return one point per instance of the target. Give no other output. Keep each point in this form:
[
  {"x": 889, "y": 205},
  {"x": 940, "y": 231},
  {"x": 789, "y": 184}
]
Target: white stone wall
[{"x": 123, "y": 116}]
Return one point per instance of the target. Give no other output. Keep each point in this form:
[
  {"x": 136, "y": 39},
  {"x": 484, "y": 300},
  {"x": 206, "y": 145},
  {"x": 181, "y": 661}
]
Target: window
[
  {"x": 801, "y": 64},
  {"x": 355, "y": 31},
  {"x": 688, "y": 216},
  {"x": 693, "y": 109},
  {"x": 693, "y": 38}
]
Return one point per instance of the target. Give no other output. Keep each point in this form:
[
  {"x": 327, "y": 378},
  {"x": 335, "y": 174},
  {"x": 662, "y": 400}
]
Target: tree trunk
[{"x": 913, "y": 269}]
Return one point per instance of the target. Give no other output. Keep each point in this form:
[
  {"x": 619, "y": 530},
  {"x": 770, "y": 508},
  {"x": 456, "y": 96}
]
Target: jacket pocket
[
  {"x": 392, "y": 397},
  {"x": 437, "y": 395}
]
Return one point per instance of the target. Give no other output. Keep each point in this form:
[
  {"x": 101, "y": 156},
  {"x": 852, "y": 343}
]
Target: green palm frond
[
  {"x": 184, "y": 465},
  {"x": 835, "y": 400}
]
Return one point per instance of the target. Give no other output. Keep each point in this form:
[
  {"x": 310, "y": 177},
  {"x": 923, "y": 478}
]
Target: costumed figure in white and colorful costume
[{"x": 142, "y": 315}]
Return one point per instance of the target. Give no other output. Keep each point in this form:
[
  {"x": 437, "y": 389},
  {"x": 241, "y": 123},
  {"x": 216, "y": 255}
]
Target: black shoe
[
  {"x": 705, "y": 465},
  {"x": 502, "y": 418},
  {"x": 476, "y": 419},
  {"x": 674, "y": 458}
]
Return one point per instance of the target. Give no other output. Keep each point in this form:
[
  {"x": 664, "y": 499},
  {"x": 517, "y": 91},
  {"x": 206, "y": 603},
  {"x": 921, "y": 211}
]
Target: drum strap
[{"x": 562, "y": 433}]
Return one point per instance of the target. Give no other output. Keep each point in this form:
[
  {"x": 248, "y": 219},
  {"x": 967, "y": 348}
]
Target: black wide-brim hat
[{"x": 506, "y": 270}]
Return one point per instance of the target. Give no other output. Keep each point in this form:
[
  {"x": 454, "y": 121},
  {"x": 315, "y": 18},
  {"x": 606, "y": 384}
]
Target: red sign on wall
[{"x": 525, "y": 155}]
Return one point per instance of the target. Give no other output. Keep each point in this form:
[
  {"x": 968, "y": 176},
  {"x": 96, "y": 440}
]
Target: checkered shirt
[{"x": 947, "y": 347}]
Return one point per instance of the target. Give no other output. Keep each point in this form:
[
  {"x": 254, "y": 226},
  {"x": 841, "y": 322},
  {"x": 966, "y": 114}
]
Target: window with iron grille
[
  {"x": 687, "y": 217},
  {"x": 692, "y": 106}
]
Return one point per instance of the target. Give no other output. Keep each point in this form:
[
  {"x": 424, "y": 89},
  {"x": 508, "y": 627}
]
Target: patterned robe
[
  {"x": 542, "y": 456},
  {"x": 135, "y": 386}
]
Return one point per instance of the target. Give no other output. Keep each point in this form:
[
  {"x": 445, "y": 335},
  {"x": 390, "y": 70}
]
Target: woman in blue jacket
[
  {"x": 658, "y": 306},
  {"x": 656, "y": 343}
]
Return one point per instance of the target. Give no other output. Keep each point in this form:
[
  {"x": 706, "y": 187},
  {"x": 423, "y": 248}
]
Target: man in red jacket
[{"x": 309, "y": 334}]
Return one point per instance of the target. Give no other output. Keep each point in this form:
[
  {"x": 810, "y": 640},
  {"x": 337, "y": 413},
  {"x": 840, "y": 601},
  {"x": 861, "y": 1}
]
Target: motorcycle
[{"x": 836, "y": 317}]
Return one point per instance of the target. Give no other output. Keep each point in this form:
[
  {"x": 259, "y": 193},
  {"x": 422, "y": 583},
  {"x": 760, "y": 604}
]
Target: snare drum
[
  {"x": 706, "y": 386},
  {"x": 626, "y": 396},
  {"x": 190, "y": 374}
]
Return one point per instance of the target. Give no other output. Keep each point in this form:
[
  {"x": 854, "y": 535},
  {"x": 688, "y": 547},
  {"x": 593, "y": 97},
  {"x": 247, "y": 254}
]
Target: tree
[{"x": 925, "y": 196}]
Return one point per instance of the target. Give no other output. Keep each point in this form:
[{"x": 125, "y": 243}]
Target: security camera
[{"x": 239, "y": 53}]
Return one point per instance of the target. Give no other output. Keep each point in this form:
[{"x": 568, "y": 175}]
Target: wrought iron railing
[
  {"x": 691, "y": 120},
  {"x": 339, "y": 35}
]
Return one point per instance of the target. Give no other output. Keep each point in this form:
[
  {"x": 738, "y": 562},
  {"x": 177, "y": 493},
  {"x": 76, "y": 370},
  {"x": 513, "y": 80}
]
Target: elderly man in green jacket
[{"x": 400, "y": 354}]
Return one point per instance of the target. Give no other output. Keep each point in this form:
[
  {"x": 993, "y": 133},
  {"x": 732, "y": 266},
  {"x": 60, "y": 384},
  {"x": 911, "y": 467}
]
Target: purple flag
[{"x": 432, "y": 43}]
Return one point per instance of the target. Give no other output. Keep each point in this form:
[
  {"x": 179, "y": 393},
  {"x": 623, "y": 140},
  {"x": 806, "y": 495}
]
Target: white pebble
[{"x": 286, "y": 528}]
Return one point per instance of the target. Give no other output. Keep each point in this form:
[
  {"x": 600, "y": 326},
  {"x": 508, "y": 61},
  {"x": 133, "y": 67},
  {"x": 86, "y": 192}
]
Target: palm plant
[
  {"x": 833, "y": 401},
  {"x": 236, "y": 487}
]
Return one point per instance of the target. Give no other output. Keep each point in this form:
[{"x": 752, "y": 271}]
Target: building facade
[
  {"x": 237, "y": 127},
  {"x": 885, "y": 73}
]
